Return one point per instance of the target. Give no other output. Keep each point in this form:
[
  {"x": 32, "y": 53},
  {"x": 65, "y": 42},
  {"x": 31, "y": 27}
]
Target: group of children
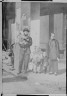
[{"x": 39, "y": 61}]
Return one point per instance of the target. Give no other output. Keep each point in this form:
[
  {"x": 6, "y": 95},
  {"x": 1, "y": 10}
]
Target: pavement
[{"x": 33, "y": 83}]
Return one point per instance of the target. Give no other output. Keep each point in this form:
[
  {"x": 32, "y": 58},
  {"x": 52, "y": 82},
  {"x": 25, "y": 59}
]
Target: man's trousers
[{"x": 24, "y": 60}]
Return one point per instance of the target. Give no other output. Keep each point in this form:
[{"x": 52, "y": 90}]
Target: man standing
[
  {"x": 53, "y": 54},
  {"x": 25, "y": 44}
]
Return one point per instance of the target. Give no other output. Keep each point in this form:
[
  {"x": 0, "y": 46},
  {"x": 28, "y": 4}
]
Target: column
[
  {"x": 17, "y": 30},
  {"x": 51, "y": 24},
  {"x": 18, "y": 19}
]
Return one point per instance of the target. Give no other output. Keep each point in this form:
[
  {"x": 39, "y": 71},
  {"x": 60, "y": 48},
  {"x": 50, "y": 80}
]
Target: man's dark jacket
[{"x": 26, "y": 47}]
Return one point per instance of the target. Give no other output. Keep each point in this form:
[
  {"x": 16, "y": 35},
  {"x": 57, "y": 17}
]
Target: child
[
  {"x": 44, "y": 64},
  {"x": 22, "y": 38}
]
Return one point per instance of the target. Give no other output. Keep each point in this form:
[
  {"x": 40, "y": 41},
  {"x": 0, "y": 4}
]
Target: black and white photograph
[
  {"x": 34, "y": 48},
  {"x": 0, "y": 47}
]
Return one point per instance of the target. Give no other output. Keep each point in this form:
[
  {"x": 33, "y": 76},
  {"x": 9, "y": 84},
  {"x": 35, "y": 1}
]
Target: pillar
[
  {"x": 17, "y": 30},
  {"x": 17, "y": 19},
  {"x": 51, "y": 24}
]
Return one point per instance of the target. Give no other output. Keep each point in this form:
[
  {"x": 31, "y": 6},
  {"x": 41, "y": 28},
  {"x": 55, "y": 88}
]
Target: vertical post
[{"x": 18, "y": 19}]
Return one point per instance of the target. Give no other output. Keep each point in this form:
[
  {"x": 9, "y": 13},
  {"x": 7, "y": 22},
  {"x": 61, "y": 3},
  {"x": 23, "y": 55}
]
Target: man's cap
[{"x": 26, "y": 29}]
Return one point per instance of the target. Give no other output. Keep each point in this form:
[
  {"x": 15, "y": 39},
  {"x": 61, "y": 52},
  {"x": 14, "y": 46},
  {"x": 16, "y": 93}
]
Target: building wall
[
  {"x": 44, "y": 31},
  {"x": 39, "y": 26},
  {"x": 35, "y": 24},
  {"x": 58, "y": 28},
  {"x": 60, "y": 31},
  {"x": 35, "y": 33},
  {"x": 45, "y": 23},
  {"x": 52, "y": 23}
]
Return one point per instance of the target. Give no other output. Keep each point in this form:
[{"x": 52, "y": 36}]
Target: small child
[
  {"x": 23, "y": 39},
  {"x": 44, "y": 64}
]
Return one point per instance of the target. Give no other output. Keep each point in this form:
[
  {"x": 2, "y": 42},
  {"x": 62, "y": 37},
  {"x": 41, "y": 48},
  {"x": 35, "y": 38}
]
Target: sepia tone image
[{"x": 34, "y": 47}]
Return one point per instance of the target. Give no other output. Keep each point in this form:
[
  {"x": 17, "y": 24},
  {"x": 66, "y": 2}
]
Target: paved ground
[{"x": 36, "y": 83}]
